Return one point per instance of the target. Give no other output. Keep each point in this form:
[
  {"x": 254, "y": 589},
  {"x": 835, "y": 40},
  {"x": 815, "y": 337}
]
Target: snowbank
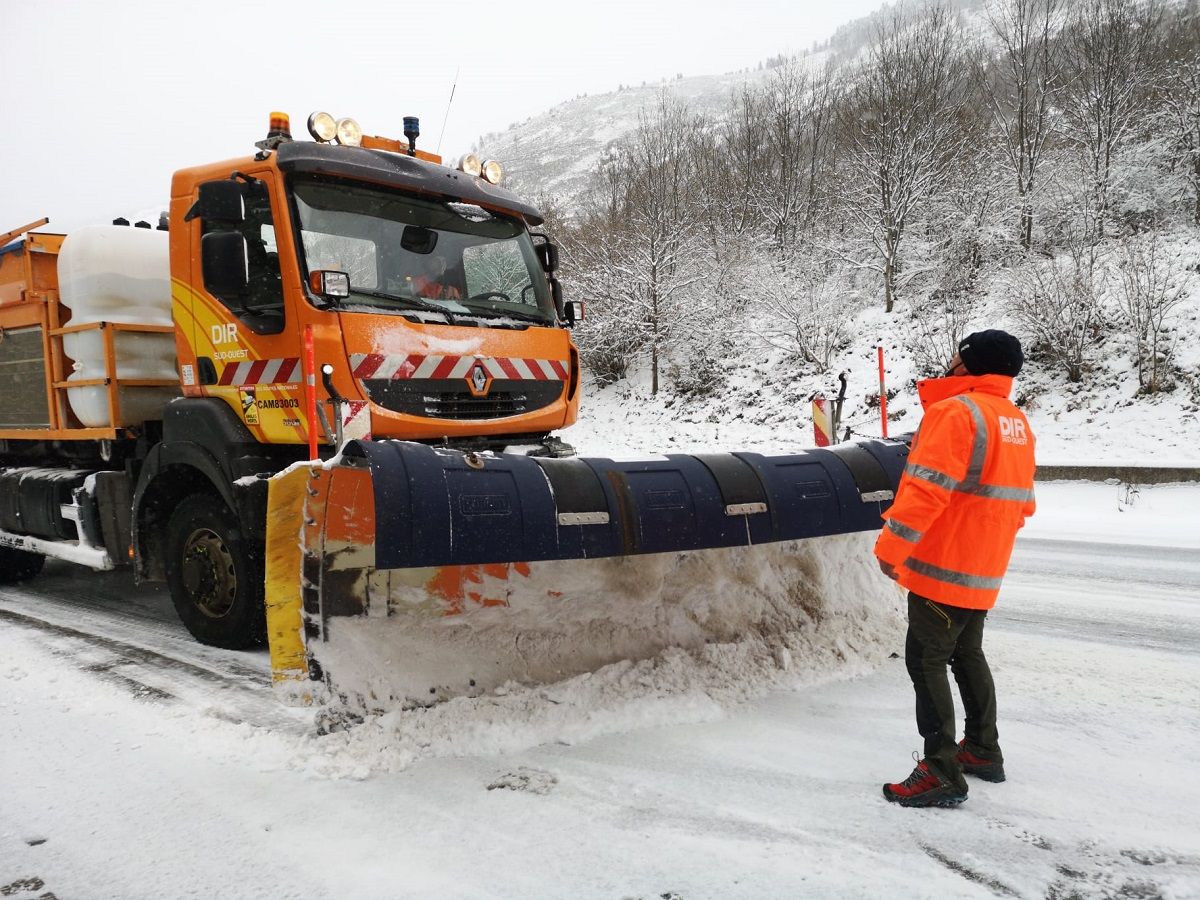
[{"x": 693, "y": 633}]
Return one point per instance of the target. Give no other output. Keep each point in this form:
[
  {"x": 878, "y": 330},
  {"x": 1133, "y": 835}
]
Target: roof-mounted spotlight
[
  {"x": 469, "y": 164},
  {"x": 322, "y": 126},
  {"x": 493, "y": 172},
  {"x": 349, "y": 132}
]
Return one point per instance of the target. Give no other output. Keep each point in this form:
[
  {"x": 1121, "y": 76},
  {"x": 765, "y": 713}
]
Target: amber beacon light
[{"x": 280, "y": 127}]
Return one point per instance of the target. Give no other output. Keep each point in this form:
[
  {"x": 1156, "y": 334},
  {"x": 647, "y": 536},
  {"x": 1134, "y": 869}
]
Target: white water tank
[{"x": 111, "y": 273}]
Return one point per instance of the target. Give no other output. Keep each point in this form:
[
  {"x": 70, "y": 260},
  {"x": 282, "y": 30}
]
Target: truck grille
[{"x": 438, "y": 398}]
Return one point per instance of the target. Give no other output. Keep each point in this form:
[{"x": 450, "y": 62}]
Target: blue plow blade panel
[{"x": 435, "y": 507}]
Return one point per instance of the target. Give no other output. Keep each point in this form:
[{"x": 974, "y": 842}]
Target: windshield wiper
[
  {"x": 526, "y": 317},
  {"x": 507, "y": 314},
  {"x": 419, "y": 302}
]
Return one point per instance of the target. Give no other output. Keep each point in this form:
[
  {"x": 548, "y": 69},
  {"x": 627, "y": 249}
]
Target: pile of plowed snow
[{"x": 693, "y": 633}]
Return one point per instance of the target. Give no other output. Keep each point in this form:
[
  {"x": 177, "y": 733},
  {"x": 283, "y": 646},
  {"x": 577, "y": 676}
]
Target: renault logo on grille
[{"x": 479, "y": 379}]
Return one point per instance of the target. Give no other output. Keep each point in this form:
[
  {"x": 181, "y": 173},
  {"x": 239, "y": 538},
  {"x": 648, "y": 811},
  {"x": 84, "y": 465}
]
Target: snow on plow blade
[{"x": 422, "y": 574}]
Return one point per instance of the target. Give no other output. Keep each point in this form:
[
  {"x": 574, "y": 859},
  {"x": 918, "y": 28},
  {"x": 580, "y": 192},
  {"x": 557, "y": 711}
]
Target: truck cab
[{"x": 433, "y": 309}]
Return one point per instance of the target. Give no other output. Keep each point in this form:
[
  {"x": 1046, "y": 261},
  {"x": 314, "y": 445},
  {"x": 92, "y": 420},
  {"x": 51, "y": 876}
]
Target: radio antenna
[{"x": 446, "y": 117}]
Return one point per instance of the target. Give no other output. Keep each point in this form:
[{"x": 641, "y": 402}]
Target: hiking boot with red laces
[
  {"x": 986, "y": 769},
  {"x": 925, "y": 787}
]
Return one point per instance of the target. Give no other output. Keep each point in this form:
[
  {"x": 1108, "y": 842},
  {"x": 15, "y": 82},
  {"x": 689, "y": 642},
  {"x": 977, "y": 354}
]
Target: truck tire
[
  {"x": 216, "y": 586},
  {"x": 19, "y": 565}
]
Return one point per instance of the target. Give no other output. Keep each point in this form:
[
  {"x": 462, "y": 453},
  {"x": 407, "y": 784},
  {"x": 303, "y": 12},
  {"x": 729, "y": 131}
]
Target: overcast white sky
[{"x": 102, "y": 100}]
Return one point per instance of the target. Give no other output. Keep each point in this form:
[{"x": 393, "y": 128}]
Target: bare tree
[
  {"x": 940, "y": 319},
  {"x": 1018, "y": 90},
  {"x": 902, "y": 107},
  {"x": 1152, "y": 287},
  {"x": 592, "y": 260},
  {"x": 732, "y": 163},
  {"x": 798, "y": 107},
  {"x": 803, "y": 308},
  {"x": 1111, "y": 48},
  {"x": 939, "y": 322},
  {"x": 646, "y": 259},
  {"x": 1181, "y": 98},
  {"x": 729, "y": 160}
]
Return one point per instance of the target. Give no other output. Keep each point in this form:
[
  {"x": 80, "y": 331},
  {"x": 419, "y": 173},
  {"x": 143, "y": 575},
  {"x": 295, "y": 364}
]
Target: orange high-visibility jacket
[{"x": 965, "y": 492}]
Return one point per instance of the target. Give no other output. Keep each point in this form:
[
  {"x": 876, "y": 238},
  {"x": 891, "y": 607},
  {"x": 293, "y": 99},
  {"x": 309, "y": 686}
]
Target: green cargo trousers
[{"x": 939, "y": 635}]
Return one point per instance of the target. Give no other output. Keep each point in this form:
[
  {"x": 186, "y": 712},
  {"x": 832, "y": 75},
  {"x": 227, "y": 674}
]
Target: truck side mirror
[
  {"x": 219, "y": 201},
  {"x": 547, "y": 254},
  {"x": 225, "y": 261},
  {"x": 567, "y": 312},
  {"x": 329, "y": 283}
]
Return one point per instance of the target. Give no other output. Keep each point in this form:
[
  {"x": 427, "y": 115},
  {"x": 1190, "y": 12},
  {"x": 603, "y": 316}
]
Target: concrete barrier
[{"x": 1126, "y": 474}]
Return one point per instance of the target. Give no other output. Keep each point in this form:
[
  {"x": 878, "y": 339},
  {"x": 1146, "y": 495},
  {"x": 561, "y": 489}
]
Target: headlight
[
  {"x": 322, "y": 126},
  {"x": 493, "y": 171},
  {"x": 349, "y": 132},
  {"x": 471, "y": 165}
]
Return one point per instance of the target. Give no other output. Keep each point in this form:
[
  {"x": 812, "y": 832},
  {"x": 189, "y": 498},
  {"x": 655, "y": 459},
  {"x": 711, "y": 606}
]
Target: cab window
[{"x": 260, "y": 306}]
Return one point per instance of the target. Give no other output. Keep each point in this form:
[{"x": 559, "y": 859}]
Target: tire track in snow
[
  {"x": 994, "y": 884},
  {"x": 133, "y": 653},
  {"x": 240, "y": 696}
]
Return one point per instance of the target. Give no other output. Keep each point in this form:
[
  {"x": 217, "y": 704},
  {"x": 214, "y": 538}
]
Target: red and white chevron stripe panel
[
  {"x": 263, "y": 371},
  {"x": 376, "y": 365}
]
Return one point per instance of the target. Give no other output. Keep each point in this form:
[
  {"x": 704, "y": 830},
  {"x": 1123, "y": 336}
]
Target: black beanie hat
[{"x": 991, "y": 352}]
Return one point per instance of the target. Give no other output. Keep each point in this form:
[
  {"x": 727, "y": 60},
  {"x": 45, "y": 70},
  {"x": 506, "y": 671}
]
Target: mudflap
[{"x": 401, "y": 575}]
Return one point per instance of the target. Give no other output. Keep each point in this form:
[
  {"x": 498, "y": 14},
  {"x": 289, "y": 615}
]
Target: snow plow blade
[{"x": 422, "y": 574}]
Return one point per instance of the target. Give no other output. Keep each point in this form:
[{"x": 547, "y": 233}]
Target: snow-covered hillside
[
  {"x": 551, "y": 155},
  {"x": 764, "y": 401},
  {"x": 554, "y": 154},
  {"x": 960, "y": 261}
]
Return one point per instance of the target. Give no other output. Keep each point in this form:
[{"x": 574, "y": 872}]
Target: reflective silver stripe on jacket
[
  {"x": 980, "y": 446},
  {"x": 996, "y": 492},
  {"x": 962, "y": 579},
  {"x": 933, "y": 476},
  {"x": 901, "y": 530}
]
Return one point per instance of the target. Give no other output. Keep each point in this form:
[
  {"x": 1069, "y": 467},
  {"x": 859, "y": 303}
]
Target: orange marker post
[
  {"x": 882, "y": 395},
  {"x": 310, "y": 390}
]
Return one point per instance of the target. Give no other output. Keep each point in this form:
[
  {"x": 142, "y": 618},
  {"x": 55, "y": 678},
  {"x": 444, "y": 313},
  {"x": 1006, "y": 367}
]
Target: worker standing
[{"x": 965, "y": 492}]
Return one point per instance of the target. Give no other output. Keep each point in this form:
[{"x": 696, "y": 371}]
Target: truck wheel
[
  {"x": 216, "y": 586},
  {"x": 19, "y": 565}
]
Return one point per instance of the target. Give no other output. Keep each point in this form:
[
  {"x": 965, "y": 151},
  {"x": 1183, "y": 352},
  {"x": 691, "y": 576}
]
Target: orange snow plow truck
[{"x": 319, "y": 398}]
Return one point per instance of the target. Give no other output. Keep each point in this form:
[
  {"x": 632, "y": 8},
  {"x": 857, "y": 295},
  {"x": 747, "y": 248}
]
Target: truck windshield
[{"x": 411, "y": 255}]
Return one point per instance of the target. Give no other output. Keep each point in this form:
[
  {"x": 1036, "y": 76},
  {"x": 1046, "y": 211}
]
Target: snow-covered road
[{"x": 137, "y": 764}]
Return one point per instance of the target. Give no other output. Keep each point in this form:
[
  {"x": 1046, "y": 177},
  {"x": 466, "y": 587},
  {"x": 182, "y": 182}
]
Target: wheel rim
[{"x": 208, "y": 573}]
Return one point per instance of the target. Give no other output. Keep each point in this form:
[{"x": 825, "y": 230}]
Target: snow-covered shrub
[
  {"x": 939, "y": 322},
  {"x": 941, "y": 318},
  {"x": 1057, "y": 305},
  {"x": 606, "y": 349},
  {"x": 803, "y": 309},
  {"x": 1152, "y": 286},
  {"x": 1143, "y": 194},
  {"x": 701, "y": 375}
]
